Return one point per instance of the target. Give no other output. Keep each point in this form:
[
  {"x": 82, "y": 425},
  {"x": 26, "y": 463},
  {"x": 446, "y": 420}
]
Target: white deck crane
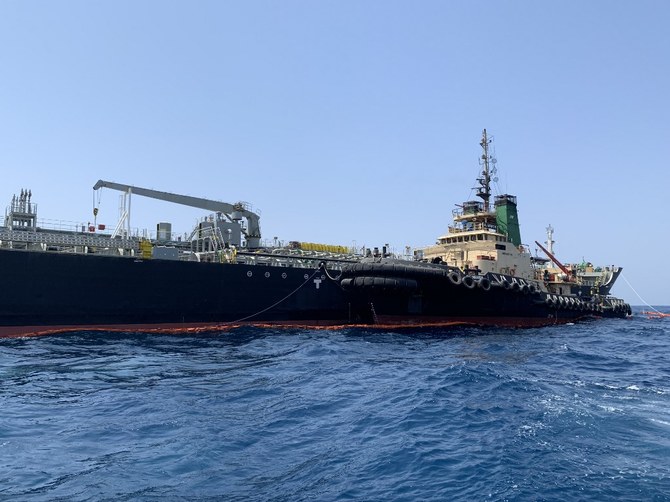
[{"x": 234, "y": 212}]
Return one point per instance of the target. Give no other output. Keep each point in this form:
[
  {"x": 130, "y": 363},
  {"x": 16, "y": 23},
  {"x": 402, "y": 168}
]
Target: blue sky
[{"x": 350, "y": 121}]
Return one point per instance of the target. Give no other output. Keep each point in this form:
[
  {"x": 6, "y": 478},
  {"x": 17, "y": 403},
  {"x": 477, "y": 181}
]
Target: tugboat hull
[{"x": 392, "y": 292}]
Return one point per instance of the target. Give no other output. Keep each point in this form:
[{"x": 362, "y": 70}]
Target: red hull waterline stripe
[
  {"x": 161, "y": 328},
  {"x": 506, "y": 322},
  {"x": 384, "y": 323}
]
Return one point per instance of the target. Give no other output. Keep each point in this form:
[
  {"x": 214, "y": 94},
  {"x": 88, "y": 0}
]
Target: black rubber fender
[
  {"x": 468, "y": 281},
  {"x": 373, "y": 282},
  {"x": 454, "y": 277},
  {"x": 484, "y": 283}
]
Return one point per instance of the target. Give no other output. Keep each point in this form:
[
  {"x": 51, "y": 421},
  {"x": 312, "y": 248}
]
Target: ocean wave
[{"x": 567, "y": 412}]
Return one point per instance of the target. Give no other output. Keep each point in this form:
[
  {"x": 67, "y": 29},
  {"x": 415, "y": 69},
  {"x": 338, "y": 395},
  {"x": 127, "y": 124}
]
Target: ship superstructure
[
  {"x": 487, "y": 238},
  {"x": 231, "y": 233},
  {"x": 484, "y": 237}
]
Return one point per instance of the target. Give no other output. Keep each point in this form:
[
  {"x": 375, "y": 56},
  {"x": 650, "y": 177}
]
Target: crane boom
[
  {"x": 554, "y": 259},
  {"x": 253, "y": 223}
]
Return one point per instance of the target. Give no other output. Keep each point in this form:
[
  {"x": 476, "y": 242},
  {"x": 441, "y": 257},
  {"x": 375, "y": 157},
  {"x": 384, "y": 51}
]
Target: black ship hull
[
  {"x": 397, "y": 293},
  {"x": 46, "y": 292}
]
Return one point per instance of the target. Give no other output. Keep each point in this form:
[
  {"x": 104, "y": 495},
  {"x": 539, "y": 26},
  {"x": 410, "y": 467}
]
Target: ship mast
[
  {"x": 484, "y": 189},
  {"x": 550, "y": 239}
]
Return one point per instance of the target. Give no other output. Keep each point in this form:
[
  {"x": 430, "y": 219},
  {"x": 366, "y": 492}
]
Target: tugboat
[{"x": 480, "y": 273}]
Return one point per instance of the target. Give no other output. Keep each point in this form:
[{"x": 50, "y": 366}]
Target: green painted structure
[{"x": 507, "y": 218}]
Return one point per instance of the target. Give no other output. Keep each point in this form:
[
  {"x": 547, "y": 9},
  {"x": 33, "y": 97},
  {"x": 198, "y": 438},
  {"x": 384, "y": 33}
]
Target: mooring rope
[
  {"x": 638, "y": 295},
  {"x": 325, "y": 270}
]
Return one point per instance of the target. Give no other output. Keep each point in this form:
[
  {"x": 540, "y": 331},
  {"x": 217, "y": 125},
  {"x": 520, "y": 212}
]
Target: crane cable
[{"x": 96, "y": 205}]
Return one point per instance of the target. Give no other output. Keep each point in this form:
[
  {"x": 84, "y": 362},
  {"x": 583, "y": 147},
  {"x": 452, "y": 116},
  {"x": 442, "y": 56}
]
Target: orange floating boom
[{"x": 655, "y": 315}]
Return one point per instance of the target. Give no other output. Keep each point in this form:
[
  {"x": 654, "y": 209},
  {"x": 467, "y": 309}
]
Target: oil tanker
[{"x": 88, "y": 278}]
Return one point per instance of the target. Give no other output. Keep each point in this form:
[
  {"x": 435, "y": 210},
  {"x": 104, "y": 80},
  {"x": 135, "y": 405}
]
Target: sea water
[{"x": 573, "y": 412}]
